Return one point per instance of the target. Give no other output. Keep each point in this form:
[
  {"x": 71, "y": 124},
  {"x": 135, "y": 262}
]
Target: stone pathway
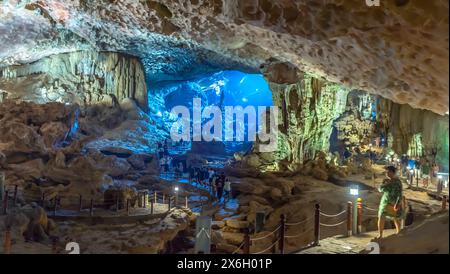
[{"x": 344, "y": 245}]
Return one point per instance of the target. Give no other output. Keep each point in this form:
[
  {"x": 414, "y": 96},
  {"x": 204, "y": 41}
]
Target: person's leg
[
  {"x": 398, "y": 225},
  {"x": 381, "y": 221}
]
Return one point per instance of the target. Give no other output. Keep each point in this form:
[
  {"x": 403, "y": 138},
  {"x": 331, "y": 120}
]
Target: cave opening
[{"x": 223, "y": 89}]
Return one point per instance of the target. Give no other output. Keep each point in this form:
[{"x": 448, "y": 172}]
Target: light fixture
[
  {"x": 176, "y": 189},
  {"x": 354, "y": 191},
  {"x": 439, "y": 177}
]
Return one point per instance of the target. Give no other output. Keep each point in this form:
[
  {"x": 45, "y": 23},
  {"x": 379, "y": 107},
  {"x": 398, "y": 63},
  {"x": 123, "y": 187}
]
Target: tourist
[
  {"x": 391, "y": 204},
  {"x": 198, "y": 176},
  {"x": 227, "y": 189},
  {"x": 167, "y": 163},
  {"x": 425, "y": 170},
  {"x": 214, "y": 186},
  {"x": 219, "y": 186},
  {"x": 160, "y": 150},
  {"x": 162, "y": 163}
]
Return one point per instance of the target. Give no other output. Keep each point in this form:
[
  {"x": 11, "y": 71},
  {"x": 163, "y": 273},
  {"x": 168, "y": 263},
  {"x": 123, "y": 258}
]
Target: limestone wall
[
  {"x": 84, "y": 77},
  {"x": 307, "y": 107},
  {"x": 409, "y": 126}
]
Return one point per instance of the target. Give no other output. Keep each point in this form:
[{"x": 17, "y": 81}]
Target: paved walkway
[{"x": 345, "y": 245}]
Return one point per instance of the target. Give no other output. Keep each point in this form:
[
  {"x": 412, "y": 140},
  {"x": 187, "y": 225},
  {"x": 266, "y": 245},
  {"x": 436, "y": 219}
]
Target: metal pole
[
  {"x": 349, "y": 218},
  {"x": 359, "y": 216},
  {"x": 55, "y": 205},
  {"x": 128, "y": 207},
  {"x": 7, "y": 241},
  {"x": 80, "y": 203},
  {"x": 151, "y": 207},
  {"x": 91, "y": 210},
  {"x": 5, "y": 203},
  {"x": 317, "y": 225},
  {"x": 246, "y": 247},
  {"x": 169, "y": 201},
  {"x": 355, "y": 216},
  {"x": 42, "y": 199},
  {"x": 15, "y": 195},
  {"x": 282, "y": 232}
]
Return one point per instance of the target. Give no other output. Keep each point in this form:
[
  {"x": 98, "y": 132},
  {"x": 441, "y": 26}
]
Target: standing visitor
[
  {"x": 391, "y": 204},
  {"x": 167, "y": 163},
  {"x": 227, "y": 189},
  {"x": 160, "y": 150},
  {"x": 214, "y": 186},
  {"x": 162, "y": 163},
  {"x": 219, "y": 185}
]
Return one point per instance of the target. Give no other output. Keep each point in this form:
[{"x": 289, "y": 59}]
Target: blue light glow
[{"x": 224, "y": 88}]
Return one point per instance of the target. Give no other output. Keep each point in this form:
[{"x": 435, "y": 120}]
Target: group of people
[
  {"x": 164, "y": 157},
  {"x": 219, "y": 184}
]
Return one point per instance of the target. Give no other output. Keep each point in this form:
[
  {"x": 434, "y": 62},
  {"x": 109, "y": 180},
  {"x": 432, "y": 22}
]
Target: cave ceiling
[{"x": 398, "y": 50}]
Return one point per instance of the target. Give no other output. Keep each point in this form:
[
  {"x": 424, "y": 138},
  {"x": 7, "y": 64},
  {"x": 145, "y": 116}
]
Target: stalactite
[
  {"x": 92, "y": 76},
  {"x": 415, "y": 131}
]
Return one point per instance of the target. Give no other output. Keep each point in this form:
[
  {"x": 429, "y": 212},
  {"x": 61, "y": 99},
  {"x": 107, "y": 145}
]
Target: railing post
[
  {"x": 169, "y": 201},
  {"x": 359, "y": 216},
  {"x": 42, "y": 199},
  {"x": 186, "y": 202},
  {"x": 282, "y": 232},
  {"x": 444, "y": 202},
  {"x": 5, "y": 203},
  {"x": 91, "y": 209},
  {"x": 55, "y": 205},
  {"x": 317, "y": 225},
  {"x": 80, "y": 203},
  {"x": 7, "y": 241},
  {"x": 349, "y": 218},
  {"x": 128, "y": 207},
  {"x": 15, "y": 195},
  {"x": 151, "y": 207},
  {"x": 246, "y": 247},
  {"x": 163, "y": 198},
  {"x": 155, "y": 200},
  {"x": 55, "y": 245},
  {"x": 145, "y": 199},
  {"x": 117, "y": 203}
]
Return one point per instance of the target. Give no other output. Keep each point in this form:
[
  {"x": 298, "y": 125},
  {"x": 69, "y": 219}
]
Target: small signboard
[{"x": 203, "y": 235}]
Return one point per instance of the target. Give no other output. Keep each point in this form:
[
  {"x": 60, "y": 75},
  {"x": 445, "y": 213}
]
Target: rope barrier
[
  {"x": 368, "y": 208},
  {"x": 298, "y": 223},
  {"x": 267, "y": 249},
  {"x": 333, "y": 225},
  {"x": 298, "y": 235},
  {"x": 263, "y": 237},
  {"x": 331, "y": 215},
  {"x": 239, "y": 248}
]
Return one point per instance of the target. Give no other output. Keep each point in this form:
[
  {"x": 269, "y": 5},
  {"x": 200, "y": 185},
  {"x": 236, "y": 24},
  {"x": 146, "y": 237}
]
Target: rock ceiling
[{"x": 398, "y": 50}]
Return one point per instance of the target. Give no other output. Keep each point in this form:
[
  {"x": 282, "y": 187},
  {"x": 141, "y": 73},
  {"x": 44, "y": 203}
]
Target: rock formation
[
  {"x": 83, "y": 77},
  {"x": 397, "y": 50}
]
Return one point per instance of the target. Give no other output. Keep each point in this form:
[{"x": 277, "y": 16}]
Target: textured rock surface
[
  {"x": 307, "y": 108},
  {"x": 84, "y": 77},
  {"x": 415, "y": 132},
  {"x": 398, "y": 50}
]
